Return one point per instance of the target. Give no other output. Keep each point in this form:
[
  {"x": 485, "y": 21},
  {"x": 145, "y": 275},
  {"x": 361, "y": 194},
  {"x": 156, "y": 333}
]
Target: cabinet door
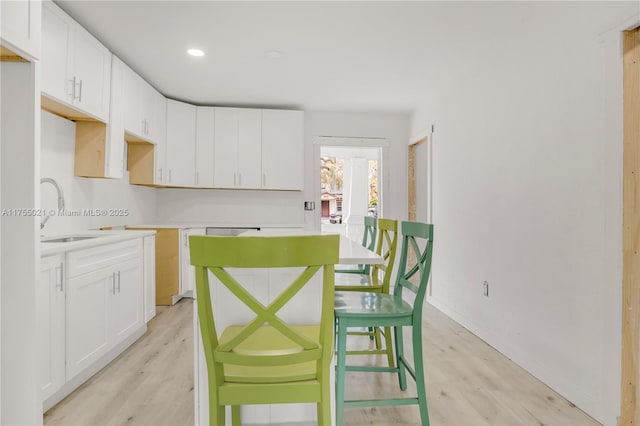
[
  {"x": 282, "y": 149},
  {"x": 50, "y": 311},
  {"x": 249, "y": 148},
  {"x": 92, "y": 73},
  {"x": 56, "y": 35},
  {"x": 181, "y": 143},
  {"x": 134, "y": 122},
  {"x": 21, "y": 25},
  {"x": 88, "y": 305},
  {"x": 157, "y": 116},
  {"x": 225, "y": 156},
  {"x": 187, "y": 271},
  {"x": 160, "y": 123},
  {"x": 149, "y": 277},
  {"x": 127, "y": 304},
  {"x": 114, "y": 167},
  {"x": 205, "y": 117}
]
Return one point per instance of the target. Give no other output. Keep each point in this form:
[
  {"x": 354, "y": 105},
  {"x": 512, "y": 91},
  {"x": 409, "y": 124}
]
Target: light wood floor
[{"x": 468, "y": 383}]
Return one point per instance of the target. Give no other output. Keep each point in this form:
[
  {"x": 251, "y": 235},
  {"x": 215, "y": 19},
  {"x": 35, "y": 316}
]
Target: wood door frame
[
  {"x": 411, "y": 179},
  {"x": 630, "y": 371}
]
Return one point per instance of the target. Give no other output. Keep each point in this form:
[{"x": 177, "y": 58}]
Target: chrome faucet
[{"x": 58, "y": 188}]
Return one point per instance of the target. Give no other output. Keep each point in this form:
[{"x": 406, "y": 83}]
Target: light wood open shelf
[{"x": 141, "y": 162}]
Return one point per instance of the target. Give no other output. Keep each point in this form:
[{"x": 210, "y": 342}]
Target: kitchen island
[{"x": 265, "y": 285}]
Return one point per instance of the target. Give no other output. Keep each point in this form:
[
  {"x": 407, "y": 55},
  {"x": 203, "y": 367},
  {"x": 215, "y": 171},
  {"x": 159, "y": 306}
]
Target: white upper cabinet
[
  {"x": 114, "y": 167},
  {"x": 249, "y": 148},
  {"x": 145, "y": 109},
  {"x": 205, "y": 121},
  {"x": 282, "y": 149},
  {"x": 145, "y": 118},
  {"x": 133, "y": 97},
  {"x": 157, "y": 121},
  {"x": 181, "y": 144},
  {"x": 159, "y": 135},
  {"x": 226, "y": 148},
  {"x": 237, "y": 152},
  {"x": 20, "y": 27},
  {"x": 76, "y": 68}
]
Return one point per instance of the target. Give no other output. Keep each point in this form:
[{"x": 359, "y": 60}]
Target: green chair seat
[
  {"x": 368, "y": 306},
  {"x": 267, "y": 341}
]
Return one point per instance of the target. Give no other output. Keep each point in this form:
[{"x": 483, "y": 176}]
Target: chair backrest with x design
[
  {"x": 417, "y": 244},
  {"x": 385, "y": 247},
  {"x": 216, "y": 254}
]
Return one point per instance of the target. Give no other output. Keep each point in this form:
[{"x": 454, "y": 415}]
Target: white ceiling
[{"x": 364, "y": 56}]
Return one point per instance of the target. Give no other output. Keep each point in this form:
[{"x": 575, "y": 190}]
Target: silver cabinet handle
[
  {"x": 264, "y": 179},
  {"x": 113, "y": 282},
  {"x": 239, "y": 179},
  {"x": 160, "y": 174},
  {"x": 169, "y": 181},
  {"x": 235, "y": 179},
  {"x": 118, "y": 281},
  {"x": 80, "y": 91}
]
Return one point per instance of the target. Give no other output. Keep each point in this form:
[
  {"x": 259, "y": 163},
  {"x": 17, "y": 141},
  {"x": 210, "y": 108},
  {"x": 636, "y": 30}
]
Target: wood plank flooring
[{"x": 468, "y": 383}]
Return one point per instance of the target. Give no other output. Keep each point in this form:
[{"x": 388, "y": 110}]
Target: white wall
[
  {"x": 527, "y": 195},
  {"x": 57, "y": 157},
  {"x": 230, "y": 207},
  {"x": 391, "y": 126}
]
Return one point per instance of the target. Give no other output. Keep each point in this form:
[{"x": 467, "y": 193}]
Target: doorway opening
[{"x": 350, "y": 188}]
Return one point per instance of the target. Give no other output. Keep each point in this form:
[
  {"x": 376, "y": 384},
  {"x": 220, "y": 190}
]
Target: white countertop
[{"x": 102, "y": 237}]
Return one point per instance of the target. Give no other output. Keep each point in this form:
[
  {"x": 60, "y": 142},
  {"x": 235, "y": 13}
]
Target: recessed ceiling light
[
  {"x": 273, "y": 54},
  {"x": 195, "y": 52}
]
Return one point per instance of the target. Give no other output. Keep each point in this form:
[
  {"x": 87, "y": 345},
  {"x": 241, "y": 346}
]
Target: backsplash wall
[
  {"x": 57, "y": 158},
  {"x": 230, "y": 207}
]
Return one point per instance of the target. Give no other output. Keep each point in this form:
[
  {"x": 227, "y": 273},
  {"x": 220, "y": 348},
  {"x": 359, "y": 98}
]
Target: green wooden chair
[
  {"x": 378, "y": 281},
  {"x": 386, "y": 310},
  {"x": 266, "y": 360},
  {"x": 369, "y": 242}
]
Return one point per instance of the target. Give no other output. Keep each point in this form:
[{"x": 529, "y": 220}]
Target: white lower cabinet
[
  {"x": 187, "y": 272},
  {"x": 50, "y": 298},
  {"x": 88, "y": 301},
  {"x": 90, "y": 308},
  {"x": 149, "y": 277},
  {"x": 104, "y": 305}
]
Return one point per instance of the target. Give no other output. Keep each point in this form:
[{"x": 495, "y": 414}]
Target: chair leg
[
  {"x": 235, "y": 415},
  {"x": 402, "y": 372},
  {"x": 324, "y": 406},
  {"x": 340, "y": 373},
  {"x": 377, "y": 337},
  {"x": 216, "y": 414},
  {"x": 389, "y": 346},
  {"x": 419, "y": 370}
]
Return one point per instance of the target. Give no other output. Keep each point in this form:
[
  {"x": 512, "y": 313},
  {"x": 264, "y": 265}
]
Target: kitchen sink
[{"x": 69, "y": 239}]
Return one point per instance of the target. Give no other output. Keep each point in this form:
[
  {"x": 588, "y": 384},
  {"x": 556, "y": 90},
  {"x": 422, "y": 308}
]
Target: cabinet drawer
[{"x": 84, "y": 261}]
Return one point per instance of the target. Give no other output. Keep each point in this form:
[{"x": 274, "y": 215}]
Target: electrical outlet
[{"x": 485, "y": 288}]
